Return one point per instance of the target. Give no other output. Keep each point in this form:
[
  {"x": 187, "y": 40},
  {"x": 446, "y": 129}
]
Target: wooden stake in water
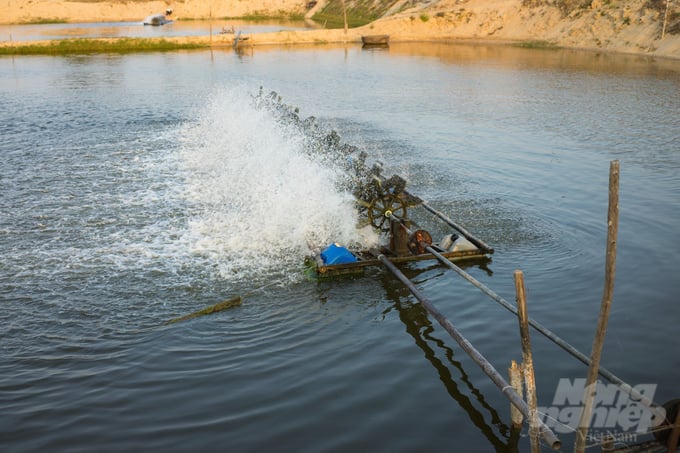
[
  {"x": 675, "y": 435},
  {"x": 605, "y": 307},
  {"x": 515, "y": 375},
  {"x": 528, "y": 365}
]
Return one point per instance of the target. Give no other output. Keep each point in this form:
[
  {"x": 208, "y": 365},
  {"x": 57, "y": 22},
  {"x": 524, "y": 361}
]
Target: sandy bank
[
  {"x": 629, "y": 26},
  {"x": 27, "y": 11}
]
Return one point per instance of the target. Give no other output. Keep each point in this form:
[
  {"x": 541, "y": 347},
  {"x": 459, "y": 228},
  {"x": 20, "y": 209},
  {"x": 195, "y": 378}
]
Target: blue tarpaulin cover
[{"x": 337, "y": 254}]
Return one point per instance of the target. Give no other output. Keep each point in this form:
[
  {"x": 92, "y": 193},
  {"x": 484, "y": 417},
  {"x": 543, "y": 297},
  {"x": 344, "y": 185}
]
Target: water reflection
[
  {"x": 502, "y": 437},
  {"x": 545, "y": 60},
  {"x": 98, "y": 231}
]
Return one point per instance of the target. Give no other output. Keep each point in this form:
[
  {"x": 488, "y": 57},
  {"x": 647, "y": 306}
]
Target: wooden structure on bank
[{"x": 375, "y": 40}]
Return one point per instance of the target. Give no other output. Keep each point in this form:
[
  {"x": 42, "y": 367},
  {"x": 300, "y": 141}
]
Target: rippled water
[{"x": 139, "y": 188}]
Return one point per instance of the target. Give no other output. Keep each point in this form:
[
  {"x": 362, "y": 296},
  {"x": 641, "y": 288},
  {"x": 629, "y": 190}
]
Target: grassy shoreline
[
  {"x": 83, "y": 46},
  {"x": 91, "y": 46}
]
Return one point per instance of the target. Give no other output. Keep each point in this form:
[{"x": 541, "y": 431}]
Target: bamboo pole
[
  {"x": 605, "y": 307},
  {"x": 528, "y": 361},
  {"x": 515, "y": 376},
  {"x": 478, "y": 358},
  {"x": 657, "y": 410},
  {"x": 233, "y": 302}
]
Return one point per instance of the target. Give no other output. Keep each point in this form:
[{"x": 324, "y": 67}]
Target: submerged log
[{"x": 231, "y": 303}]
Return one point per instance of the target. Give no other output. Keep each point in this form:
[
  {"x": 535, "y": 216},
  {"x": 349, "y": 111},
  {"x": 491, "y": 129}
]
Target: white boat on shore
[{"x": 159, "y": 19}]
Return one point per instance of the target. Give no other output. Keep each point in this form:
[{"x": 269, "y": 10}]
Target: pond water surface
[{"x": 143, "y": 187}]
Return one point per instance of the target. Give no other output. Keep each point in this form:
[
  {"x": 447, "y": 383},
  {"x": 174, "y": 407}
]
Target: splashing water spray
[{"x": 267, "y": 187}]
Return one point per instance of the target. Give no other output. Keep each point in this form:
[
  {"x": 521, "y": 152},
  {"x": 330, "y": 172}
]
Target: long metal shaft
[
  {"x": 657, "y": 410},
  {"x": 478, "y": 358},
  {"x": 476, "y": 241}
]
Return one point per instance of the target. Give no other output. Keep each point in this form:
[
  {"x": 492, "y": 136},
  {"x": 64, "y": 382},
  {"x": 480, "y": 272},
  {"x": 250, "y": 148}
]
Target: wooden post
[
  {"x": 610, "y": 271},
  {"x": 608, "y": 443},
  {"x": 675, "y": 434},
  {"x": 528, "y": 361},
  {"x": 399, "y": 237},
  {"x": 515, "y": 375},
  {"x": 344, "y": 14}
]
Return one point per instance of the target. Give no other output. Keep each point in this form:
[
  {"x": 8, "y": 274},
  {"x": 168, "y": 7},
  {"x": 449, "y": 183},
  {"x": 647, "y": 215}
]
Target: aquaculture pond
[{"x": 140, "y": 188}]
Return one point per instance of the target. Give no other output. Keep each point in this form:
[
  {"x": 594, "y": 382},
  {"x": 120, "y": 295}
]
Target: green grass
[
  {"x": 537, "y": 45},
  {"x": 42, "y": 21},
  {"x": 359, "y": 12},
  {"x": 253, "y": 17},
  {"x": 281, "y": 15},
  {"x": 91, "y": 46},
  {"x": 335, "y": 21}
]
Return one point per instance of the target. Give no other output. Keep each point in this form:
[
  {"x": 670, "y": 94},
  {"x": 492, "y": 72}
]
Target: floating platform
[
  {"x": 317, "y": 269},
  {"x": 385, "y": 205}
]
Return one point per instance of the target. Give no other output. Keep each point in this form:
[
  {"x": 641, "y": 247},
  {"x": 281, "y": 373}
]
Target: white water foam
[{"x": 262, "y": 204}]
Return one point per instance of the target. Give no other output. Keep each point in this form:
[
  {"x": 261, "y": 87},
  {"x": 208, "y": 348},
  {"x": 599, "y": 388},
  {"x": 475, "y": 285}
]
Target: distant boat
[
  {"x": 375, "y": 40},
  {"x": 158, "y": 19}
]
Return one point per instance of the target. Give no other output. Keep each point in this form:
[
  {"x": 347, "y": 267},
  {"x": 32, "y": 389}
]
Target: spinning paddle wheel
[
  {"x": 385, "y": 204},
  {"x": 381, "y": 199}
]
